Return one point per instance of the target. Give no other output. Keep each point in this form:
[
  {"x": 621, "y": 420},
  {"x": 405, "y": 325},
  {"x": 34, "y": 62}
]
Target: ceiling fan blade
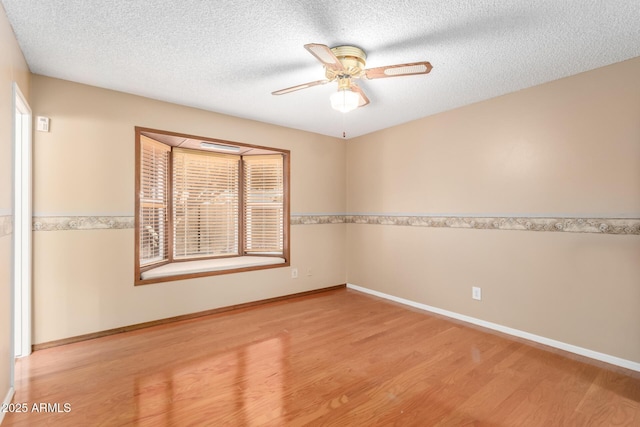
[
  {"x": 324, "y": 54},
  {"x": 363, "y": 98},
  {"x": 398, "y": 70},
  {"x": 299, "y": 87}
]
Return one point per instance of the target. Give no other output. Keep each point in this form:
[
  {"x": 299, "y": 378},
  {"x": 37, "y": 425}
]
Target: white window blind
[
  {"x": 154, "y": 195},
  {"x": 205, "y": 204},
  {"x": 263, "y": 204}
]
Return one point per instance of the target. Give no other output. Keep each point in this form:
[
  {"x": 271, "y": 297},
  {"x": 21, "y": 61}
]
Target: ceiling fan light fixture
[{"x": 345, "y": 100}]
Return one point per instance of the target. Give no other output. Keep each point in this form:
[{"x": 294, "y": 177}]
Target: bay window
[{"x": 205, "y": 211}]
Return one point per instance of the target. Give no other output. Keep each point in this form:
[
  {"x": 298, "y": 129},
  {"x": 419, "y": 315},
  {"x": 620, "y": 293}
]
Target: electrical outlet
[
  {"x": 476, "y": 293},
  {"x": 294, "y": 273}
]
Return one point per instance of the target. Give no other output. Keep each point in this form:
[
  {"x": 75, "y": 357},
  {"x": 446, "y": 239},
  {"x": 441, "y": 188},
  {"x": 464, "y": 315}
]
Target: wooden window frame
[{"x": 138, "y": 269}]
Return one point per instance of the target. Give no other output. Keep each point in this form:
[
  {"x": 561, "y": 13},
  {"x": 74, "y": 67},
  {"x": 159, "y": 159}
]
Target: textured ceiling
[{"x": 228, "y": 56}]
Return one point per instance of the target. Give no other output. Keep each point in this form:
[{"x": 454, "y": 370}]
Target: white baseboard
[
  {"x": 6, "y": 401},
  {"x": 628, "y": 364}
]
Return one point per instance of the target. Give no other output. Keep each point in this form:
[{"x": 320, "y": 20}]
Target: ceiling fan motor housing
[{"x": 352, "y": 58}]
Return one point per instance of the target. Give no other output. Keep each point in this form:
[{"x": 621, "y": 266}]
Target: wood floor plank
[{"x": 338, "y": 358}]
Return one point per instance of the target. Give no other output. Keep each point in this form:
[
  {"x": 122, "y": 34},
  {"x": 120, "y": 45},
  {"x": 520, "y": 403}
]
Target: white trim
[
  {"x": 22, "y": 205},
  {"x": 7, "y": 401},
  {"x": 628, "y": 364}
]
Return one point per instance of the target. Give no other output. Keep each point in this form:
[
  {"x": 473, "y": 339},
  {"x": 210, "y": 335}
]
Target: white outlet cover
[
  {"x": 294, "y": 273},
  {"x": 476, "y": 293}
]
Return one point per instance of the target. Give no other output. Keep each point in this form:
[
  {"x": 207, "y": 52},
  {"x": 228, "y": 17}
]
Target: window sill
[{"x": 178, "y": 270}]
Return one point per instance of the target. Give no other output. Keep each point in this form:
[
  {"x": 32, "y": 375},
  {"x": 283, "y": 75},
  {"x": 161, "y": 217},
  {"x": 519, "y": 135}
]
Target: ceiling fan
[{"x": 345, "y": 64}]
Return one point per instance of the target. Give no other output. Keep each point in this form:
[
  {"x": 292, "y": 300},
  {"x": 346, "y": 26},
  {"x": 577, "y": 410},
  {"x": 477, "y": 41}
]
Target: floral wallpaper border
[
  {"x": 571, "y": 225},
  {"x": 59, "y": 223},
  {"x": 318, "y": 219},
  {"x": 6, "y": 225},
  {"x": 625, "y": 226}
]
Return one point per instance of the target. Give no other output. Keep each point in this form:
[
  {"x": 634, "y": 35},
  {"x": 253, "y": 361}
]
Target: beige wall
[
  {"x": 83, "y": 280},
  {"x": 13, "y": 68},
  {"x": 569, "y": 147}
]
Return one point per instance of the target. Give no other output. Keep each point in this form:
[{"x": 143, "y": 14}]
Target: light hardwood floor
[{"x": 338, "y": 358}]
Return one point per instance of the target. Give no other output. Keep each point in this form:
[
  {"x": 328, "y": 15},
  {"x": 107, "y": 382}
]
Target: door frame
[{"x": 22, "y": 217}]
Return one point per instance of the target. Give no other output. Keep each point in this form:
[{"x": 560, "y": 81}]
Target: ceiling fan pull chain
[{"x": 344, "y": 126}]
